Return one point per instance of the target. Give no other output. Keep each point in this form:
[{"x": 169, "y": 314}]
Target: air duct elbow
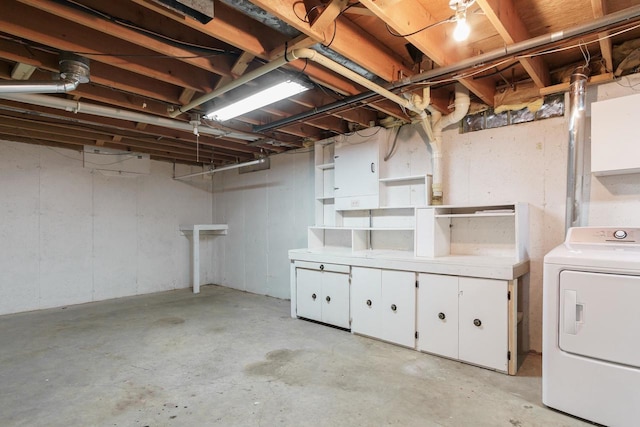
[
  {"x": 461, "y": 107},
  {"x": 73, "y": 71}
]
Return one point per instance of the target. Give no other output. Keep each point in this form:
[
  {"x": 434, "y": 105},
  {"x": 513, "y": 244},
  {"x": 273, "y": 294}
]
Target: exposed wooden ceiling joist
[
  {"x": 147, "y": 58},
  {"x": 408, "y": 17},
  {"x": 503, "y": 14}
]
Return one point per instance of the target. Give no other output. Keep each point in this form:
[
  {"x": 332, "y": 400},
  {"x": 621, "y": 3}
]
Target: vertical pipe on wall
[{"x": 575, "y": 215}]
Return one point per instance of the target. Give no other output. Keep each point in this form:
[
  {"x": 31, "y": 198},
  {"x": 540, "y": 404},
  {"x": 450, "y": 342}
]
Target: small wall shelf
[{"x": 196, "y": 230}]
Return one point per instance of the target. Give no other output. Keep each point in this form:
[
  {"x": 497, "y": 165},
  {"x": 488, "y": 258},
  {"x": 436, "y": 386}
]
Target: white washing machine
[{"x": 591, "y": 326}]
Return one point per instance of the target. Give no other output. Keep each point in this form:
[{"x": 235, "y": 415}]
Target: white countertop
[{"x": 503, "y": 268}]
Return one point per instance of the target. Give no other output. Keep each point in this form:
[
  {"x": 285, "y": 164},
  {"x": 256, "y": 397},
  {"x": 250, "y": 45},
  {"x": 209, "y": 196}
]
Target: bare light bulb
[{"x": 462, "y": 30}]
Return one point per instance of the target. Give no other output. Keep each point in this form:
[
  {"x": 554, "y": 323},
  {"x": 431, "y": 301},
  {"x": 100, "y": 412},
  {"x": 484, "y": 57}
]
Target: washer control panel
[{"x": 603, "y": 235}]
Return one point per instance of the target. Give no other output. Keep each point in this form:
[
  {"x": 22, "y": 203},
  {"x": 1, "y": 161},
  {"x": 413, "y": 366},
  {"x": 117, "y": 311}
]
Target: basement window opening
[{"x": 552, "y": 106}]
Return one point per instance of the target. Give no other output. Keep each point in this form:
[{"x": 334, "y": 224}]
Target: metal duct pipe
[
  {"x": 116, "y": 113},
  {"x": 594, "y": 26},
  {"x": 74, "y": 70},
  {"x": 575, "y": 164}
]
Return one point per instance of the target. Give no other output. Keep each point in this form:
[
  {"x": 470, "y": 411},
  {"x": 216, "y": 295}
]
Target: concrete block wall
[
  {"x": 71, "y": 235},
  {"x": 528, "y": 163},
  {"x": 268, "y": 213},
  {"x": 524, "y": 163}
]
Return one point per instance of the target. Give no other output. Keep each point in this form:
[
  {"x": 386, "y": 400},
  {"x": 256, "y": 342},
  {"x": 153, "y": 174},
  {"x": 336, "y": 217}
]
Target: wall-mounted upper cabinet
[
  {"x": 614, "y": 141},
  {"x": 357, "y": 163}
]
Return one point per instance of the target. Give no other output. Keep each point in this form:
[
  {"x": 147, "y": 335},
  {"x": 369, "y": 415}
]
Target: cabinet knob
[
  {"x": 328, "y": 298},
  {"x": 477, "y": 322},
  {"x": 313, "y": 297},
  {"x": 373, "y": 167},
  {"x": 321, "y": 266},
  {"x": 393, "y": 307},
  {"x": 369, "y": 302},
  {"x": 441, "y": 316}
]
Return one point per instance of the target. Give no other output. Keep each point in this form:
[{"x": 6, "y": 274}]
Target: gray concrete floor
[{"x": 230, "y": 358}]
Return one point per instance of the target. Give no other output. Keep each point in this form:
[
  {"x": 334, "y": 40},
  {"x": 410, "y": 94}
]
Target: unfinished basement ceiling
[{"x": 150, "y": 57}]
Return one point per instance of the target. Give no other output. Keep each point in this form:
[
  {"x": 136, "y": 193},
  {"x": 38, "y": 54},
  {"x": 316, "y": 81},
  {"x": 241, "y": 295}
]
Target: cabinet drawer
[{"x": 321, "y": 266}]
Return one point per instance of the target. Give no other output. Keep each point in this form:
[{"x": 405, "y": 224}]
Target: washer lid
[
  {"x": 608, "y": 248},
  {"x": 603, "y": 235},
  {"x": 599, "y": 317}
]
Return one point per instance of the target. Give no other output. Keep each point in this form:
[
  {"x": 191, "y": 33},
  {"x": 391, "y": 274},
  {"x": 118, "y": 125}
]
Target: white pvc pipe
[
  {"x": 438, "y": 122},
  {"x": 314, "y": 56},
  {"x": 116, "y": 113}
]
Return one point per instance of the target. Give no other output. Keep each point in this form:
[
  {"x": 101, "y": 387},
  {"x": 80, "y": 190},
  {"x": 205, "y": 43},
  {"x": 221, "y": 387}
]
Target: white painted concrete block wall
[
  {"x": 522, "y": 163},
  {"x": 525, "y": 163},
  {"x": 268, "y": 213},
  {"x": 70, "y": 235}
]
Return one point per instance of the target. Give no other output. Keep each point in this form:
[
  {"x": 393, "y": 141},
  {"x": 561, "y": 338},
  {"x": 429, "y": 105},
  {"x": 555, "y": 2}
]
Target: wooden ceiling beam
[
  {"x": 410, "y": 15},
  {"x": 238, "y": 69},
  {"x": 45, "y": 29},
  {"x": 43, "y": 136},
  {"x": 223, "y": 143},
  {"x": 77, "y": 133},
  {"x": 328, "y": 14},
  {"x": 342, "y": 37},
  {"x": 349, "y": 112},
  {"x": 229, "y": 26},
  {"x": 101, "y": 74},
  {"x": 236, "y": 29},
  {"x": 300, "y": 130},
  {"x": 606, "y": 49},
  {"x": 504, "y": 17},
  {"x": 329, "y": 123},
  {"x": 90, "y": 133},
  {"x": 219, "y": 64}
]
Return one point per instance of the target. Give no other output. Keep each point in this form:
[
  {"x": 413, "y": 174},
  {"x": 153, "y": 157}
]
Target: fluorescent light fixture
[{"x": 257, "y": 100}]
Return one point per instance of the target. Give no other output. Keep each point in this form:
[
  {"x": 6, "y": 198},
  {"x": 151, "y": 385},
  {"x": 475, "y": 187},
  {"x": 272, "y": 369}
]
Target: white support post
[{"x": 196, "y": 259}]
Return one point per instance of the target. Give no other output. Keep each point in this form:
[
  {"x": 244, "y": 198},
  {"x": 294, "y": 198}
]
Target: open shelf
[{"x": 491, "y": 230}]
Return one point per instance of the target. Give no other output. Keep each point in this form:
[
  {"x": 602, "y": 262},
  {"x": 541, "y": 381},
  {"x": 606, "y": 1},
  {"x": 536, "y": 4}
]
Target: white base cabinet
[
  {"x": 383, "y": 304},
  {"x": 465, "y": 318},
  {"x": 323, "y": 293}
]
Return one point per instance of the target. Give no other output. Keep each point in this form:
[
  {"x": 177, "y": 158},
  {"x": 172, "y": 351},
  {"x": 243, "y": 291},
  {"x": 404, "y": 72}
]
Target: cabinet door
[
  {"x": 483, "y": 327},
  {"x": 335, "y": 299},
  {"x": 366, "y": 305},
  {"x": 309, "y": 294},
  {"x": 438, "y": 314},
  {"x": 356, "y": 175},
  {"x": 399, "y": 307}
]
